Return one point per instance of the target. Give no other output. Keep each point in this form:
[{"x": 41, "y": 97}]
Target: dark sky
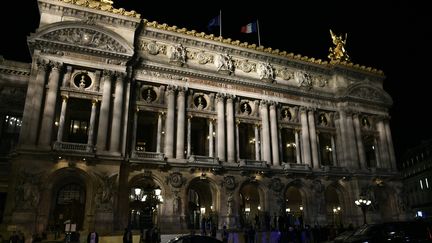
[{"x": 389, "y": 35}]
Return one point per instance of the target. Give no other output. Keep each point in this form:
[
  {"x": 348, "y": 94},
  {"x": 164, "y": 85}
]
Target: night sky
[{"x": 389, "y": 35}]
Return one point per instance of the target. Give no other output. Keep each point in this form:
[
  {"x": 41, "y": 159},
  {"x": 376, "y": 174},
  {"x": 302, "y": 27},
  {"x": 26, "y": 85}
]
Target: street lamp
[
  {"x": 336, "y": 211},
  {"x": 363, "y": 204}
]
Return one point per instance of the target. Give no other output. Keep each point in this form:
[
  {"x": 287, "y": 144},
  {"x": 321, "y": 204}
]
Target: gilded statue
[{"x": 338, "y": 52}]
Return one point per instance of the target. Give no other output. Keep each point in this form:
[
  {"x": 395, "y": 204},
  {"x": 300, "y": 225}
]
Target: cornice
[
  {"x": 93, "y": 10},
  {"x": 194, "y": 38}
]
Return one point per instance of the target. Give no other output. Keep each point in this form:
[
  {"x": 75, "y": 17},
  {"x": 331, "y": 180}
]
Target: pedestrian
[
  {"x": 92, "y": 237},
  {"x": 155, "y": 235},
  {"x": 21, "y": 238},
  {"x": 225, "y": 234},
  {"x": 127, "y": 236}
]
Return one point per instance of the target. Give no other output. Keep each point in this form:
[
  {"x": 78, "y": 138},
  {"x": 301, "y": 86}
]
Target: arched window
[{"x": 70, "y": 205}]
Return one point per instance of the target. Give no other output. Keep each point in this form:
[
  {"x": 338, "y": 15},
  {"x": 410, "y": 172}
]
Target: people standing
[
  {"x": 93, "y": 237},
  {"x": 225, "y": 234},
  {"x": 127, "y": 236}
]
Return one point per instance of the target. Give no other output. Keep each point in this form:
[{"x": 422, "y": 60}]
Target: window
[
  {"x": 421, "y": 184},
  {"x": 427, "y": 183}
]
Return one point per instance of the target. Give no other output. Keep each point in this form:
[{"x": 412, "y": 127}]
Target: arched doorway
[
  {"x": 333, "y": 206},
  {"x": 294, "y": 206},
  {"x": 144, "y": 203},
  {"x": 251, "y": 206},
  {"x": 201, "y": 205},
  {"x": 69, "y": 206}
]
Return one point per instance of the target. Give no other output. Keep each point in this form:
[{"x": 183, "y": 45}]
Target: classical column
[
  {"x": 333, "y": 150},
  {"x": 220, "y": 126},
  {"x": 211, "y": 149},
  {"x": 189, "y": 133},
  {"x": 104, "y": 112},
  {"x": 265, "y": 132},
  {"x": 345, "y": 139},
  {"x": 385, "y": 158},
  {"x": 169, "y": 123},
  {"x": 352, "y": 141},
  {"x": 257, "y": 143},
  {"x": 90, "y": 138},
  {"x": 390, "y": 145},
  {"x": 377, "y": 154},
  {"x": 298, "y": 147},
  {"x": 237, "y": 140},
  {"x": 339, "y": 138},
  {"x": 305, "y": 137},
  {"x": 67, "y": 77},
  {"x": 274, "y": 134},
  {"x": 359, "y": 140},
  {"x": 33, "y": 105},
  {"x": 159, "y": 132},
  {"x": 231, "y": 143},
  {"x": 97, "y": 80},
  {"x": 117, "y": 114},
  {"x": 134, "y": 128},
  {"x": 180, "y": 148},
  {"x": 313, "y": 138},
  {"x": 62, "y": 119},
  {"x": 45, "y": 135}
]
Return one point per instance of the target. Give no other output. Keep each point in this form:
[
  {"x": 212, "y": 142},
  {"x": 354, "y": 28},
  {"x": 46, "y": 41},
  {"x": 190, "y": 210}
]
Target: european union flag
[{"x": 213, "y": 23}]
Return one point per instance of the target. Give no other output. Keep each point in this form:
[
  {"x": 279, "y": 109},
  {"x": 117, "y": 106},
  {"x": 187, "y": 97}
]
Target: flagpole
[
  {"x": 220, "y": 22},
  {"x": 259, "y": 39}
]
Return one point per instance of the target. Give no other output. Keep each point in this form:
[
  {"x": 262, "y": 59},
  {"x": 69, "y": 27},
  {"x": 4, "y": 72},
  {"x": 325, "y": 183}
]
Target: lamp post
[
  {"x": 146, "y": 202},
  {"x": 336, "y": 211},
  {"x": 363, "y": 204}
]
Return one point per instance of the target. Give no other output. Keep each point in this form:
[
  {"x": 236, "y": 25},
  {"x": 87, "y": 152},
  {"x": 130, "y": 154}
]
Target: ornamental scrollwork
[
  {"x": 246, "y": 66},
  {"x": 276, "y": 185},
  {"x": 85, "y": 37},
  {"x": 176, "y": 179},
  {"x": 265, "y": 71},
  {"x": 229, "y": 182},
  {"x": 203, "y": 58},
  {"x": 285, "y": 74},
  {"x": 152, "y": 47}
]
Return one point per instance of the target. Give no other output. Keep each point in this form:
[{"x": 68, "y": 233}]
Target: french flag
[{"x": 249, "y": 28}]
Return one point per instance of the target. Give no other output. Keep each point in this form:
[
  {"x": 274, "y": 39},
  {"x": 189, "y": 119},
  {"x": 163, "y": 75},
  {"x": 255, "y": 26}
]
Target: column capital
[
  {"x": 220, "y": 97},
  {"x": 55, "y": 66},
  {"x": 263, "y": 103},
  {"x": 230, "y": 97},
  {"x": 170, "y": 90},
  {"x": 303, "y": 109},
  {"x": 190, "y": 117},
  {"x": 181, "y": 91},
  {"x": 65, "y": 97},
  {"x": 161, "y": 114},
  {"x": 94, "y": 101},
  {"x": 42, "y": 64},
  {"x": 107, "y": 73},
  {"x": 120, "y": 75}
]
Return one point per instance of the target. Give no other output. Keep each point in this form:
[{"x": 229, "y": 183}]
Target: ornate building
[{"x": 130, "y": 122}]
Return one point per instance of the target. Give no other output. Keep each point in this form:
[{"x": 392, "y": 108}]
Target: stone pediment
[
  {"x": 369, "y": 93},
  {"x": 83, "y": 35}
]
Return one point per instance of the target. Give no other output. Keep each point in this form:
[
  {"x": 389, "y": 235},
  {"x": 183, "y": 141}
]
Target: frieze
[
  {"x": 285, "y": 74},
  {"x": 245, "y": 66},
  {"x": 202, "y": 57},
  {"x": 152, "y": 47},
  {"x": 265, "y": 71},
  {"x": 303, "y": 79},
  {"x": 85, "y": 37},
  {"x": 163, "y": 75},
  {"x": 368, "y": 93}
]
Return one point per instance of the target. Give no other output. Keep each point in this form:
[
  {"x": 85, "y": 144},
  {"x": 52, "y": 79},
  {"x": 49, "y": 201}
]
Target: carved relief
[
  {"x": 176, "y": 179},
  {"x": 177, "y": 54},
  {"x": 203, "y": 58},
  {"x": 106, "y": 191},
  {"x": 149, "y": 94},
  {"x": 285, "y": 74},
  {"x": 87, "y": 38},
  {"x": 320, "y": 81},
  {"x": 276, "y": 185},
  {"x": 303, "y": 79},
  {"x": 27, "y": 194},
  {"x": 229, "y": 182},
  {"x": 265, "y": 71},
  {"x": 224, "y": 62},
  {"x": 152, "y": 47},
  {"x": 246, "y": 66}
]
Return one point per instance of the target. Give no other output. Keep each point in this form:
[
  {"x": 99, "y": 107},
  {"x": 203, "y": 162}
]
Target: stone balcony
[{"x": 73, "y": 147}]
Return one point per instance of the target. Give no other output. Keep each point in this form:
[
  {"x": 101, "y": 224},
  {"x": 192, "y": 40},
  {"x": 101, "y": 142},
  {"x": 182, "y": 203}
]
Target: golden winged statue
[{"x": 338, "y": 52}]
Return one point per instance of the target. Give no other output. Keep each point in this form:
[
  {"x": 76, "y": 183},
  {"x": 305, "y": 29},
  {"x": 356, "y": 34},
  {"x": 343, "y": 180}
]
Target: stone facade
[{"x": 115, "y": 103}]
